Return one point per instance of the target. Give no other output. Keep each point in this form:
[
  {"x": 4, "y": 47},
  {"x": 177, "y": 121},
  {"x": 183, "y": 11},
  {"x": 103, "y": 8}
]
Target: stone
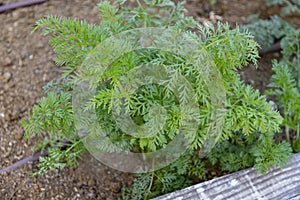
[
  {"x": 6, "y": 77},
  {"x": 7, "y": 61}
]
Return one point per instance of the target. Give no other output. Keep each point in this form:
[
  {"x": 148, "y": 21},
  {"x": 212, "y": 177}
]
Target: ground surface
[{"x": 26, "y": 65}]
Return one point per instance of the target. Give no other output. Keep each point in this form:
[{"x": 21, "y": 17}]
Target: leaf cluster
[
  {"x": 54, "y": 116},
  {"x": 267, "y": 32},
  {"x": 240, "y": 153},
  {"x": 285, "y": 85},
  {"x": 249, "y": 125},
  {"x": 287, "y": 6},
  {"x": 174, "y": 177}
]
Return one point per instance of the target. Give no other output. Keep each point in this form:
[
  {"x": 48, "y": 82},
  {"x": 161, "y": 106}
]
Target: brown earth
[{"x": 26, "y": 65}]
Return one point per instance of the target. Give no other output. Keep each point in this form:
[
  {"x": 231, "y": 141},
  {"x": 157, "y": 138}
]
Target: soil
[{"x": 26, "y": 65}]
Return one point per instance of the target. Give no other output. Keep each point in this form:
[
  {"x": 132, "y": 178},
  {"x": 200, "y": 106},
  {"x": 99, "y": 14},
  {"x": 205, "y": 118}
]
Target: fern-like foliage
[
  {"x": 285, "y": 82},
  {"x": 285, "y": 85},
  {"x": 241, "y": 152},
  {"x": 174, "y": 177},
  {"x": 54, "y": 115},
  {"x": 285, "y": 89},
  {"x": 71, "y": 39},
  {"x": 288, "y": 6},
  {"x": 291, "y": 53},
  {"x": 267, "y": 32},
  {"x": 249, "y": 124},
  {"x": 264, "y": 158}
]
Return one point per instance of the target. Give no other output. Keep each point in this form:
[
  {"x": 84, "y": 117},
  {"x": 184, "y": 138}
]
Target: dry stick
[
  {"x": 24, "y": 161},
  {"x": 20, "y": 4}
]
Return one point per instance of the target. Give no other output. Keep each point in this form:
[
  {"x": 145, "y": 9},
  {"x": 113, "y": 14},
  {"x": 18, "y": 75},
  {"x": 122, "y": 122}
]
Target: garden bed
[{"x": 26, "y": 65}]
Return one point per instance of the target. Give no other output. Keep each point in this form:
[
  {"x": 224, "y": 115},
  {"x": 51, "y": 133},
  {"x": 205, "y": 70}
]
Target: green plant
[
  {"x": 248, "y": 127},
  {"x": 285, "y": 85},
  {"x": 270, "y": 30},
  {"x": 174, "y": 177},
  {"x": 267, "y": 32},
  {"x": 213, "y": 2},
  {"x": 285, "y": 81},
  {"x": 288, "y": 6}
]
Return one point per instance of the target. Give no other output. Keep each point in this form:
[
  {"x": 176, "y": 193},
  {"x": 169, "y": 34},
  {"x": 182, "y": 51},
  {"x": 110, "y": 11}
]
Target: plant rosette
[{"x": 95, "y": 65}]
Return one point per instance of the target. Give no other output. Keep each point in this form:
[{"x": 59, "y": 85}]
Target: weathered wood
[{"x": 247, "y": 185}]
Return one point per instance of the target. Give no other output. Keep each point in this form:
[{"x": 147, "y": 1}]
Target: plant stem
[
  {"x": 287, "y": 134},
  {"x": 298, "y": 129},
  {"x": 152, "y": 177},
  {"x": 287, "y": 128},
  {"x": 298, "y": 63}
]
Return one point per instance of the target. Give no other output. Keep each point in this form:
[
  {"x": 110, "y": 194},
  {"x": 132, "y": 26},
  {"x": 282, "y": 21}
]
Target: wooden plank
[{"x": 247, "y": 185}]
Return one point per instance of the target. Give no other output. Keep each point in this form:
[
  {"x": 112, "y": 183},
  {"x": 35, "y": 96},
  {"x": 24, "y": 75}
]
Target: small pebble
[
  {"x": 7, "y": 61},
  {"x": 6, "y": 77},
  {"x": 75, "y": 189}
]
